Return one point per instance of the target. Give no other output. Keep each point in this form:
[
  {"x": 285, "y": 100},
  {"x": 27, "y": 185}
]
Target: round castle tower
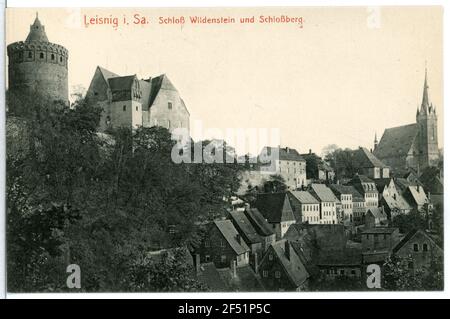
[{"x": 37, "y": 67}]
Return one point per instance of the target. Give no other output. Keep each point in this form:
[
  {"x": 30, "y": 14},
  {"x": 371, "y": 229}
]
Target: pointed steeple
[
  {"x": 37, "y": 31},
  {"x": 425, "y": 102},
  {"x": 375, "y": 142}
]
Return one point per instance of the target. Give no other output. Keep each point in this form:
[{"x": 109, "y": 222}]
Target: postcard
[{"x": 259, "y": 149}]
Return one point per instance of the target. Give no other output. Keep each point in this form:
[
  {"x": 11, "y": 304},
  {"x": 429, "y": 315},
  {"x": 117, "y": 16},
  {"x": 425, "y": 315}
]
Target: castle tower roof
[{"x": 37, "y": 32}]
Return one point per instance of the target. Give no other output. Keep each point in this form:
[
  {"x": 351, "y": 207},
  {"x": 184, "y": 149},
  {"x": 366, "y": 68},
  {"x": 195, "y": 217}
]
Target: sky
[{"x": 346, "y": 74}]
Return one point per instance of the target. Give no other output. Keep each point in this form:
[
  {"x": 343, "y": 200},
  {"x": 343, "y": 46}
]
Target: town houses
[{"x": 306, "y": 227}]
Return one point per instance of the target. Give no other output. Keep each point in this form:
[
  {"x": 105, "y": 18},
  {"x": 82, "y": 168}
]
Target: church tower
[
  {"x": 37, "y": 68},
  {"x": 426, "y": 119}
]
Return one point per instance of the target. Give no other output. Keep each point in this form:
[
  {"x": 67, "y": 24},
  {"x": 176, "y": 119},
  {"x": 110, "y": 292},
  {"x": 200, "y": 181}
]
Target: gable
[
  {"x": 396, "y": 141},
  {"x": 98, "y": 88}
]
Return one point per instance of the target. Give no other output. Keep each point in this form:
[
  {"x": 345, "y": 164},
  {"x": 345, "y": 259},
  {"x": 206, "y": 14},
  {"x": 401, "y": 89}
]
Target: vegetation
[{"x": 101, "y": 201}]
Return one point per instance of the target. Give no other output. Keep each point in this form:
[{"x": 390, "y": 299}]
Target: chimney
[
  {"x": 247, "y": 206},
  {"x": 287, "y": 250},
  {"x": 256, "y": 262},
  {"x": 197, "y": 263},
  {"x": 310, "y": 151},
  {"x": 287, "y": 150},
  {"x": 233, "y": 268}
]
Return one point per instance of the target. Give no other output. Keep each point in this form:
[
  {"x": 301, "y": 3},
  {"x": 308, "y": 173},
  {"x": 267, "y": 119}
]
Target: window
[
  {"x": 53, "y": 56},
  {"x": 265, "y": 273},
  {"x": 410, "y": 265},
  {"x": 30, "y": 54},
  {"x": 124, "y": 108},
  {"x": 277, "y": 274},
  {"x": 425, "y": 247},
  {"x": 41, "y": 55},
  {"x": 207, "y": 243},
  {"x": 60, "y": 59},
  {"x": 169, "y": 105},
  {"x": 222, "y": 243},
  {"x": 137, "y": 108},
  {"x": 342, "y": 272},
  {"x": 207, "y": 258},
  {"x": 416, "y": 247},
  {"x": 270, "y": 257},
  {"x": 223, "y": 258}
]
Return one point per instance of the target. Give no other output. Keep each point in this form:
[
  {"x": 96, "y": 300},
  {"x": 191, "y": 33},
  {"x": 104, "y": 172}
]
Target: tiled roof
[
  {"x": 339, "y": 190},
  {"x": 377, "y": 212},
  {"x": 304, "y": 197},
  {"x": 230, "y": 233},
  {"x": 260, "y": 224},
  {"x": 346, "y": 257},
  {"x": 285, "y": 153},
  {"x": 407, "y": 238},
  {"x": 396, "y": 141},
  {"x": 362, "y": 158},
  {"x": 418, "y": 194},
  {"x": 107, "y": 74},
  {"x": 245, "y": 227},
  {"x": 379, "y": 230},
  {"x": 275, "y": 207},
  {"x": 381, "y": 183},
  {"x": 323, "y": 193},
  {"x": 398, "y": 203},
  {"x": 293, "y": 266}
]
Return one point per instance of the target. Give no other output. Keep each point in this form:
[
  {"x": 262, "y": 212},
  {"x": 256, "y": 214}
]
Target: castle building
[
  {"x": 414, "y": 145},
  {"x": 37, "y": 68},
  {"x": 130, "y": 102}
]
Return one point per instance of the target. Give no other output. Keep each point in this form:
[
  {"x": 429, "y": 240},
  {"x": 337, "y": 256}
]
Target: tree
[
  {"x": 397, "y": 274},
  {"x": 101, "y": 201},
  {"x": 411, "y": 221}
]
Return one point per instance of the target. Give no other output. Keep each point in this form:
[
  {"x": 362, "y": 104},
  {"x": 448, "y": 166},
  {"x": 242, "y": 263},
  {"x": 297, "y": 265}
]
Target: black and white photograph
[{"x": 224, "y": 149}]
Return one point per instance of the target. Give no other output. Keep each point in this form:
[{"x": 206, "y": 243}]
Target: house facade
[
  {"x": 328, "y": 203},
  {"x": 287, "y": 163},
  {"x": 306, "y": 207},
  {"x": 223, "y": 246},
  {"x": 277, "y": 210}
]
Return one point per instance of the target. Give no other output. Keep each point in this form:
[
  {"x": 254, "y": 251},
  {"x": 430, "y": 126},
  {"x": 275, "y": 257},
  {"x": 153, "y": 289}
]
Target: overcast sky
[{"x": 348, "y": 73}]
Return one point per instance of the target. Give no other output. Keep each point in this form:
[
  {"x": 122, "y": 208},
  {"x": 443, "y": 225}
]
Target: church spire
[
  {"x": 37, "y": 31},
  {"x": 375, "y": 142},
  {"x": 425, "y": 103}
]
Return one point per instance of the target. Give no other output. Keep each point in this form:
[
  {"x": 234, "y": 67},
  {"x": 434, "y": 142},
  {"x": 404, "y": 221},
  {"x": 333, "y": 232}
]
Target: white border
[{"x": 223, "y": 3}]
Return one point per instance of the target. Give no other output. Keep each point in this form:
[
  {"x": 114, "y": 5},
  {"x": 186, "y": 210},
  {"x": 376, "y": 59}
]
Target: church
[{"x": 412, "y": 146}]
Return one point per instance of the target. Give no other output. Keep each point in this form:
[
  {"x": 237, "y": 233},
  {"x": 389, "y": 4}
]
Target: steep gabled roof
[
  {"x": 418, "y": 195},
  {"x": 260, "y": 224},
  {"x": 381, "y": 183},
  {"x": 294, "y": 268},
  {"x": 158, "y": 83},
  {"x": 396, "y": 141},
  {"x": 231, "y": 235},
  {"x": 362, "y": 158},
  {"x": 285, "y": 153},
  {"x": 244, "y": 226},
  {"x": 409, "y": 236},
  {"x": 121, "y": 83},
  {"x": 275, "y": 207},
  {"x": 323, "y": 193},
  {"x": 304, "y": 197},
  {"x": 377, "y": 212},
  {"x": 107, "y": 74}
]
